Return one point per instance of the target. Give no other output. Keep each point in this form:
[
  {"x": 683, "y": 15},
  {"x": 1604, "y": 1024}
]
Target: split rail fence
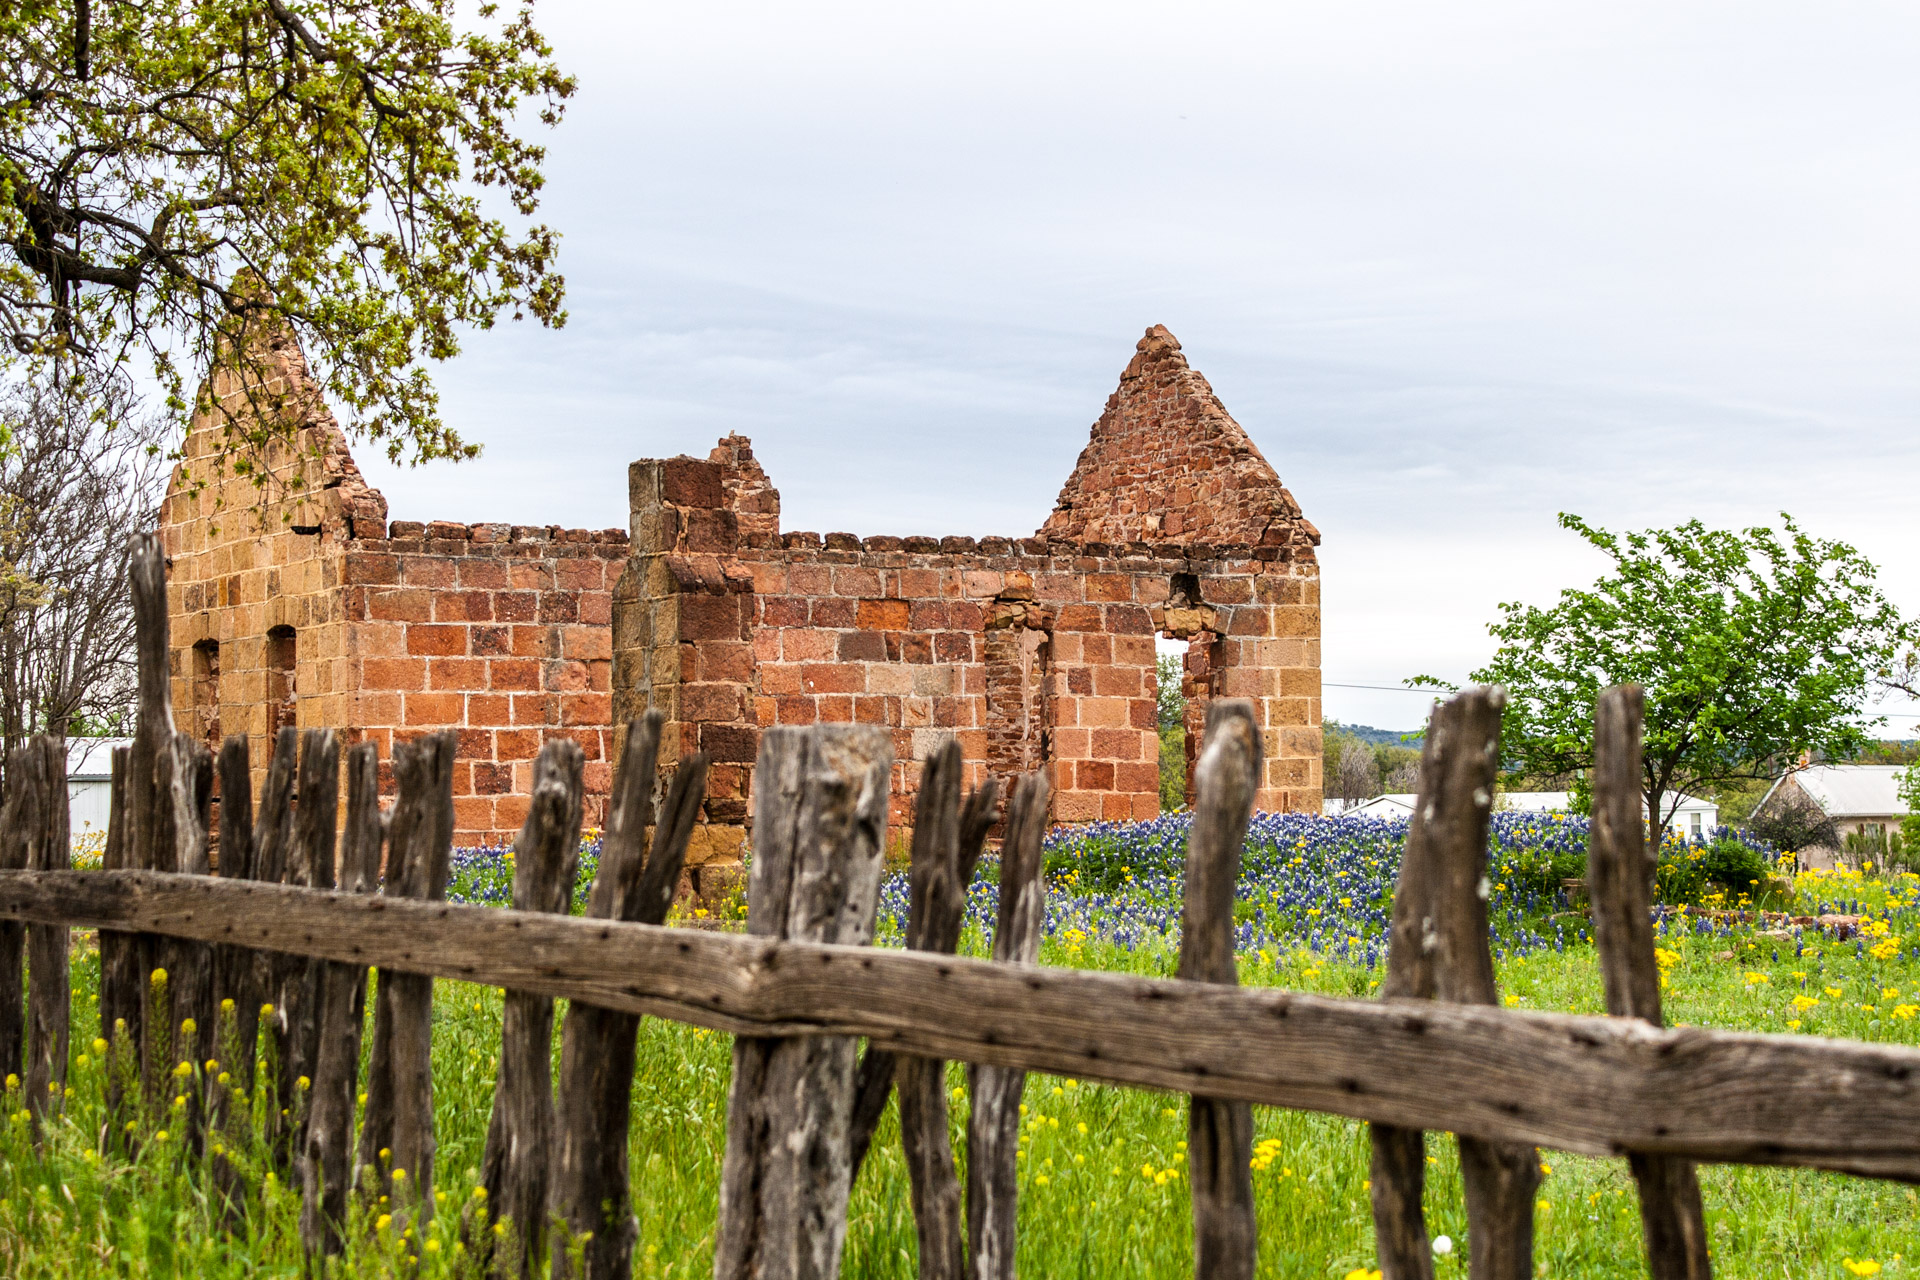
[{"x": 278, "y": 945}]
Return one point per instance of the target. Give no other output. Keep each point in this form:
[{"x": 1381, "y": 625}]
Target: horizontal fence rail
[{"x": 1595, "y": 1085}]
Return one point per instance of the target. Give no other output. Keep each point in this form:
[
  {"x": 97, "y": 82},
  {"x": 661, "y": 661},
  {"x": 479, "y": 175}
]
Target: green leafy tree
[
  {"x": 184, "y": 182},
  {"x": 1170, "y": 674},
  {"x": 1910, "y": 796},
  {"x": 1753, "y": 646}
]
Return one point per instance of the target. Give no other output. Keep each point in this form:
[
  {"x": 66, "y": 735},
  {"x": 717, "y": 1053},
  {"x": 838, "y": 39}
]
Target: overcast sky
[{"x": 1455, "y": 268}]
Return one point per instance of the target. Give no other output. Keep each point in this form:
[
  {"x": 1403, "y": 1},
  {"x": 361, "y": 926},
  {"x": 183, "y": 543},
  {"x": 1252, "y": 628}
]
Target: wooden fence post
[
  {"x": 326, "y": 1166},
  {"x": 16, "y": 850},
  {"x": 1619, "y": 876},
  {"x": 993, "y": 1124},
  {"x": 236, "y": 992},
  {"x": 48, "y": 990},
  {"x": 1456, "y": 802},
  {"x": 819, "y": 839},
  {"x": 514, "y": 1165},
  {"x": 295, "y": 1022},
  {"x": 185, "y": 779},
  {"x": 396, "y": 1130},
  {"x": 149, "y": 814},
  {"x": 120, "y": 974},
  {"x": 1219, "y": 1133},
  {"x": 592, "y": 1193}
]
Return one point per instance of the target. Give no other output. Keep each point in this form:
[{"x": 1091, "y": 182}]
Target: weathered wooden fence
[{"x": 276, "y": 947}]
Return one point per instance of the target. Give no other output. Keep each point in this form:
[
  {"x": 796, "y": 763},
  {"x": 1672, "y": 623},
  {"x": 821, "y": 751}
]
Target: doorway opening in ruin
[
  {"x": 1186, "y": 668},
  {"x": 206, "y": 692}
]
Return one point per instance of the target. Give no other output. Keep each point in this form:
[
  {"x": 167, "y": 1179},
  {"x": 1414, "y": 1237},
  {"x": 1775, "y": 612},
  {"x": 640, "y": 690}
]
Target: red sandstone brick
[
  {"x": 564, "y": 677},
  {"x": 482, "y": 573},
  {"x": 834, "y": 612},
  {"x": 1146, "y": 805},
  {"x": 1058, "y": 586},
  {"x": 492, "y": 779},
  {"x": 363, "y": 568},
  {"x": 862, "y": 646},
  {"x": 535, "y": 641},
  {"x": 810, "y": 580},
  {"x": 689, "y": 482},
  {"x": 516, "y": 744},
  {"x": 534, "y": 708},
  {"x": 405, "y": 604},
  {"x": 1072, "y": 743},
  {"x": 1144, "y": 714},
  {"x": 435, "y": 640},
  {"x": 427, "y": 571},
  {"x": 736, "y": 743},
  {"x": 510, "y": 812},
  {"x": 726, "y": 660},
  {"x": 834, "y": 709},
  {"x": 711, "y": 618},
  {"x": 379, "y": 708},
  {"x": 953, "y": 646},
  {"x": 873, "y": 709},
  {"x": 795, "y": 709},
  {"x": 400, "y": 674},
  {"x": 515, "y": 606},
  {"x": 490, "y": 641},
  {"x": 1129, "y": 619},
  {"x": 559, "y": 606},
  {"x": 806, "y": 646},
  {"x": 586, "y": 709},
  {"x": 596, "y": 608},
  {"x": 766, "y": 711},
  {"x": 833, "y": 677},
  {"x": 530, "y": 575},
  {"x": 1226, "y": 590},
  {"x": 884, "y": 615},
  {"x": 857, "y": 581},
  {"x": 456, "y": 674},
  {"x": 965, "y": 615},
  {"x": 1110, "y": 586},
  {"x": 1079, "y": 680},
  {"x": 580, "y": 574},
  {"x": 1119, "y": 745},
  {"x": 1118, "y": 682},
  {"x": 586, "y": 643},
  {"x": 489, "y": 708},
  {"x": 1115, "y": 807},
  {"x": 782, "y": 611},
  {"x": 921, "y": 583},
  {"x": 1076, "y": 806},
  {"x": 709, "y": 702},
  {"x": 1093, "y": 775},
  {"x": 1080, "y": 617},
  {"x": 462, "y": 606},
  {"x": 927, "y": 615},
  {"x": 435, "y": 709},
  {"x": 473, "y": 814},
  {"x": 514, "y": 674}
]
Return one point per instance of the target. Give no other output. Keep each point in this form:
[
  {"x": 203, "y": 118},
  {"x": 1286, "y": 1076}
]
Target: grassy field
[{"x": 1103, "y": 1192}]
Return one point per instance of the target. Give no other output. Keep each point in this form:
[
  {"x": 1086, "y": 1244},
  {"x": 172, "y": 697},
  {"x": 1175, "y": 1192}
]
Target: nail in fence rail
[
  {"x": 326, "y": 1165},
  {"x": 993, "y": 1123},
  {"x": 1619, "y": 875},
  {"x": 514, "y": 1165},
  {"x": 819, "y": 836},
  {"x": 592, "y": 1194},
  {"x": 1219, "y": 1131},
  {"x": 396, "y": 1130}
]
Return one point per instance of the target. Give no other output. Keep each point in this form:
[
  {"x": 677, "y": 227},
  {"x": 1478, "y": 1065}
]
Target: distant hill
[{"x": 1378, "y": 737}]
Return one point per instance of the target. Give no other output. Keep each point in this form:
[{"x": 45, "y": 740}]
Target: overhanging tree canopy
[
  {"x": 1752, "y": 645},
  {"x": 178, "y": 179}
]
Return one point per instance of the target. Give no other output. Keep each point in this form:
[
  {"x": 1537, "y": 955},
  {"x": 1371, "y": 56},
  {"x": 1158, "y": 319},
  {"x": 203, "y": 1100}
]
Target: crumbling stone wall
[
  {"x": 297, "y": 604},
  {"x": 1033, "y": 652},
  {"x": 300, "y": 604}
]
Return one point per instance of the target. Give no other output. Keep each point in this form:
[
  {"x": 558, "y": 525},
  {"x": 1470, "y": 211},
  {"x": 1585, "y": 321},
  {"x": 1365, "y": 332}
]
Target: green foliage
[
  {"x": 1910, "y": 796},
  {"x": 188, "y": 181},
  {"x": 1170, "y": 673},
  {"x": 1752, "y": 646},
  {"x": 1171, "y": 705}
]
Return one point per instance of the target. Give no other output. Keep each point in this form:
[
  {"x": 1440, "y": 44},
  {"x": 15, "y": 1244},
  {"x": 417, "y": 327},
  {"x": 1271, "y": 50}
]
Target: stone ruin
[{"x": 303, "y": 605}]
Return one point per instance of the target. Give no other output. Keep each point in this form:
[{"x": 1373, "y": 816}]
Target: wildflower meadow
[{"x": 1103, "y": 1169}]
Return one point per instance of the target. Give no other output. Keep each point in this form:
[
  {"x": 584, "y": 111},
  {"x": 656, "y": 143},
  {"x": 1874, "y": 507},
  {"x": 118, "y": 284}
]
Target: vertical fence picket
[
  {"x": 396, "y": 1130},
  {"x": 819, "y": 840},
  {"x": 993, "y": 1123},
  {"x": 1219, "y": 1133},
  {"x": 514, "y": 1164},
  {"x": 1619, "y": 876},
  {"x": 120, "y": 976},
  {"x": 236, "y": 994},
  {"x": 16, "y": 847},
  {"x": 326, "y": 1168},
  {"x": 1401, "y": 1246},
  {"x": 591, "y": 1195},
  {"x": 272, "y": 846},
  {"x": 296, "y": 1013},
  {"x": 149, "y": 814},
  {"x": 187, "y": 771},
  {"x": 48, "y": 984},
  {"x": 1456, "y": 802},
  {"x": 947, "y": 842}
]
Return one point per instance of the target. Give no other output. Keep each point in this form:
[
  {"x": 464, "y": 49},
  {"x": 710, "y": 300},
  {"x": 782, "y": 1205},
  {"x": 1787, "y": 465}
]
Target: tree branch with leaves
[{"x": 178, "y": 179}]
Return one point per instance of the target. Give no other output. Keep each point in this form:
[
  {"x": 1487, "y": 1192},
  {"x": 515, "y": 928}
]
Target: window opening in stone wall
[
  {"x": 1170, "y": 670},
  {"x": 281, "y": 692},
  {"x": 206, "y": 692},
  {"x": 1019, "y": 723}
]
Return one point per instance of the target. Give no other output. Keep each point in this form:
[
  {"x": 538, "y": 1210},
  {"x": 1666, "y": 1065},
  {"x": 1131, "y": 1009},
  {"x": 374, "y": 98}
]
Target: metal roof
[{"x": 1853, "y": 790}]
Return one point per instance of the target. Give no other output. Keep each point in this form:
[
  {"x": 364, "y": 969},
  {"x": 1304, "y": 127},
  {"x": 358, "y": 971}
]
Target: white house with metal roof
[
  {"x": 1862, "y": 799},
  {"x": 1691, "y": 816},
  {"x": 90, "y": 790}
]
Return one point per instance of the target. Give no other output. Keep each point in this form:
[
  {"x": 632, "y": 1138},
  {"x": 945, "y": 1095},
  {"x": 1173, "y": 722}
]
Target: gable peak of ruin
[{"x": 1166, "y": 463}]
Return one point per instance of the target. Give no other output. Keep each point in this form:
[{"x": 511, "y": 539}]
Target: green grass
[{"x": 1102, "y": 1191}]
